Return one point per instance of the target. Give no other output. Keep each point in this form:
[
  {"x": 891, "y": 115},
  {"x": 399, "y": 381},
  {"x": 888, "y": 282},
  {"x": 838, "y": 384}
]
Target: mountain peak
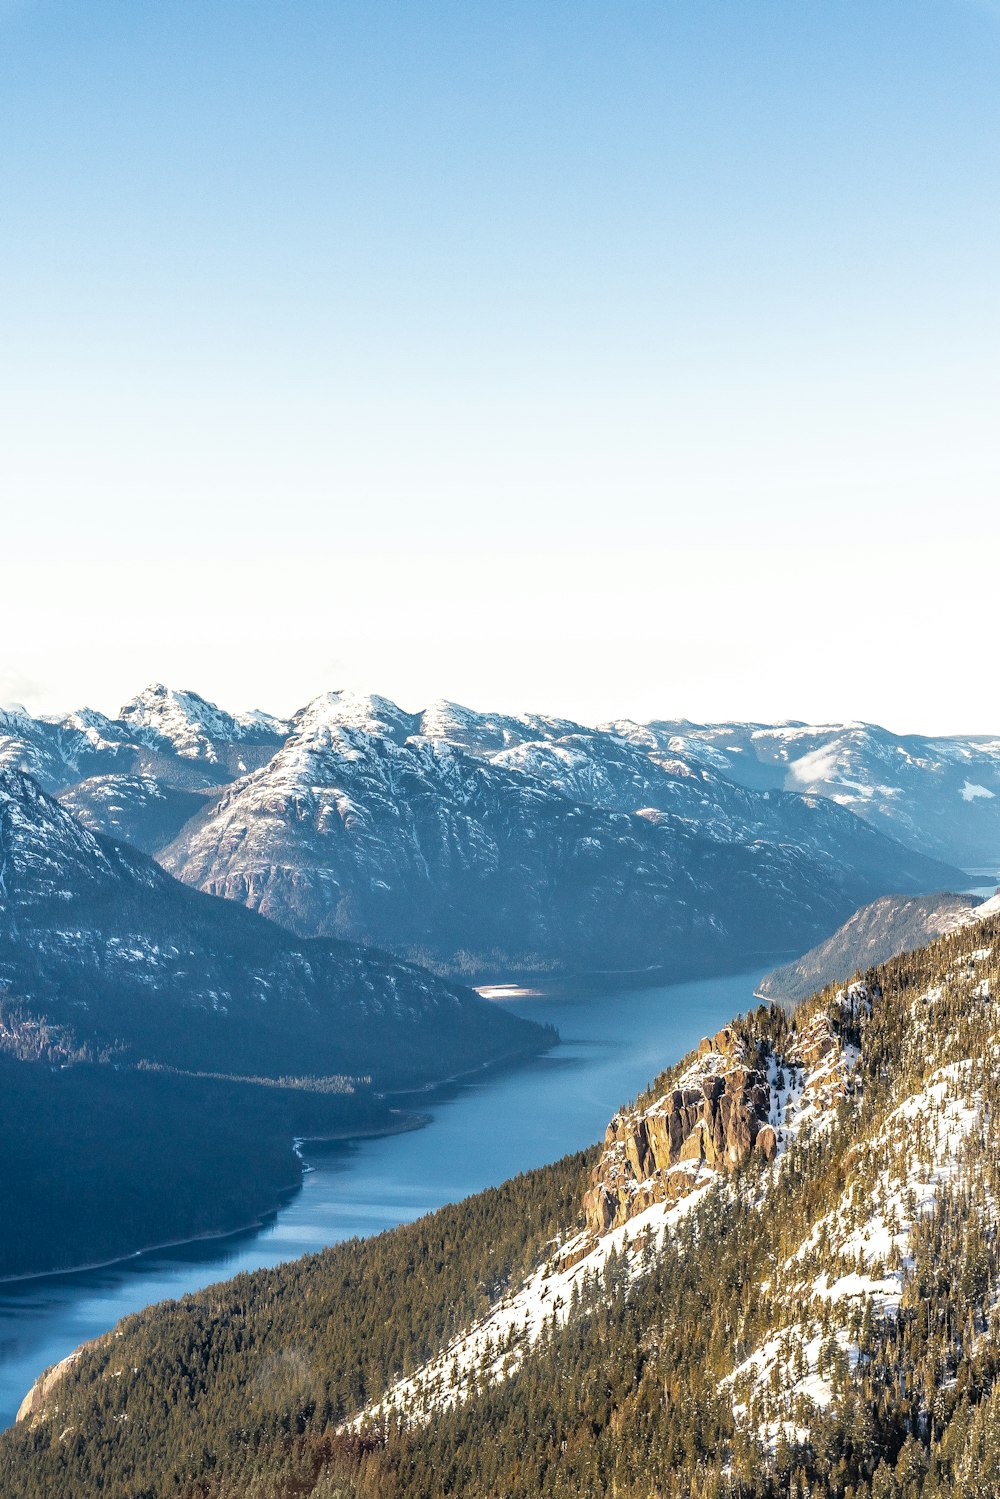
[
  {"x": 44, "y": 852},
  {"x": 365, "y": 712},
  {"x": 191, "y": 725}
]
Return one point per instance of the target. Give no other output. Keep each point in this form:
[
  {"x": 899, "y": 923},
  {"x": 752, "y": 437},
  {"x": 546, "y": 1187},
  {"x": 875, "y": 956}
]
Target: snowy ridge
[
  {"x": 484, "y": 842},
  {"x": 938, "y": 795},
  {"x": 858, "y": 1262},
  {"x": 483, "y": 835},
  {"x": 494, "y": 1348},
  {"x": 191, "y": 726}
]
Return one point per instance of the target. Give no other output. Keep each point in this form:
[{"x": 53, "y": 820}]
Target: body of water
[{"x": 481, "y": 1132}]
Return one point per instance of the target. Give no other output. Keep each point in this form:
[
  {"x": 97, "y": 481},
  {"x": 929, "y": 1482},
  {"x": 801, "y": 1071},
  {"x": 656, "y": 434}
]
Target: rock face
[
  {"x": 35, "y": 1402},
  {"x": 716, "y": 1116},
  {"x": 735, "y": 1102}
]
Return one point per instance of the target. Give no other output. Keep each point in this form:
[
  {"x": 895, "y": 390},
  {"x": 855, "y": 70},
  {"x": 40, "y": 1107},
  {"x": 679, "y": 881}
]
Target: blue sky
[{"x": 604, "y": 358}]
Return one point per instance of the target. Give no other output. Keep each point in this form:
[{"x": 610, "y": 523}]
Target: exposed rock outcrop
[
  {"x": 36, "y": 1400},
  {"x": 716, "y": 1115},
  {"x": 735, "y": 1102}
]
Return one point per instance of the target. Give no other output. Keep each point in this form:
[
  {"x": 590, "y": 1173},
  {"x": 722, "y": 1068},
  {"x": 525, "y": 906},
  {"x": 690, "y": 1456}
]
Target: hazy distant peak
[{"x": 15, "y": 715}]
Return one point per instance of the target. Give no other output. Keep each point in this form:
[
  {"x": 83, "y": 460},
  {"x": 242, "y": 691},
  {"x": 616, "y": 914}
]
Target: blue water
[{"x": 481, "y": 1132}]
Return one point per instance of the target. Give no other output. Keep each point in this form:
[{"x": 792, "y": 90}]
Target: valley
[
  {"x": 232, "y": 945},
  {"x": 777, "y": 1275},
  {"x": 481, "y": 1131}
]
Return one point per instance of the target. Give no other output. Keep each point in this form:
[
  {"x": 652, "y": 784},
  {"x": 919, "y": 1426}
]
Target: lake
[{"x": 481, "y": 1132}]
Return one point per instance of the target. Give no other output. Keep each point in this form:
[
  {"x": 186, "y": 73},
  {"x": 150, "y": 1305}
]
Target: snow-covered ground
[
  {"x": 493, "y": 1348},
  {"x": 860, "y": 1254}
]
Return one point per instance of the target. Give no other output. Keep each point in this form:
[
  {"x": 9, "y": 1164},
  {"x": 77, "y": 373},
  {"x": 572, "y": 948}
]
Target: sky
[{"x": 605, "y": 359}]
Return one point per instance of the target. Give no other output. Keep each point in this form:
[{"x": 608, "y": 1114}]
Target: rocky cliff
[{"x": 742, "y": 1096}]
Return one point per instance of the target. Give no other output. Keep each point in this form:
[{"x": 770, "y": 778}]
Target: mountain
[
  {"x": 938, "y": 795},
  {"x": 890, "y": 925},
  {"x": 160, "y": 1050},
  {"x": 776, "y": 1276},
  {"x": 188, "y": 726},
  {"x": 486, "y": 842},
  {"x": 573, "y": 850},
  {"x": 104, "y": 956},
  {"x": 142, "y": 775},
  {"x": 143, "y": 809}
]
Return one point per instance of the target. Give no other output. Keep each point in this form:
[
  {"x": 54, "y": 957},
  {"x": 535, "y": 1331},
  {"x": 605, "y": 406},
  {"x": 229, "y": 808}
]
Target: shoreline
[
  {"x": 408, "y": 1121},
  {"x": 522, "y": 1053},
  {"x": 527, "y": 986},
  {"x": 411, "y": 1121}
]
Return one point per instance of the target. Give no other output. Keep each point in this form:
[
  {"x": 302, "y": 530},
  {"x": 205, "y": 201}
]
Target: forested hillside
[
  {"x": 104, "y": 957},
  {"x": 811, "y": 1314},
  {"x": 890, "y": 925}
]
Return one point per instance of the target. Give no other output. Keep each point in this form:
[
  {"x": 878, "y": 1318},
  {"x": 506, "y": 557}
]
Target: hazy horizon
[{"x": 286, "y": 710}]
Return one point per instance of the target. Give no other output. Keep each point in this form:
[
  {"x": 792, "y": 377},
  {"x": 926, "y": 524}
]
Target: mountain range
[
  {"x": 940, "y": 795},
  {"x": 482, "y": 843}
]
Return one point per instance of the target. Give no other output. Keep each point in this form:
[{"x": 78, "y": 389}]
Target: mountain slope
[
  {"x": 496, "y": 860},
  {"x": 160, "y": 1050},
  {"x": 103, "y": 955},
  {"x": 938, "y": 795},
  {"x": 484, "y": 842},
  {"x": 813, "y": 1315},
  {"x": 142, "y": 775},
  {"x": 877, "y": 932}
]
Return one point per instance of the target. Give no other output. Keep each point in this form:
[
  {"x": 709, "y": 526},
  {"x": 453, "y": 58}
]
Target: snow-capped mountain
[
  {"x": 939, "y": 795},
  {"x": 142, "y": 775},
  {"x": 104, "y": 956},
  {"x": 486, "y": 840},
  {"x": 185, "y": 724},
  {"x": 54, "y": 752},
  {"x": 575, "y": 849}
]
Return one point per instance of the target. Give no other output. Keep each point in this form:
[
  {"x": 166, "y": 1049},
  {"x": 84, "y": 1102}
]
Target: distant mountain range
[
  {"x": 482, "y": 843},
  {"x": 938, "y": 795},
  {"x": 160, "y": 1049}
]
